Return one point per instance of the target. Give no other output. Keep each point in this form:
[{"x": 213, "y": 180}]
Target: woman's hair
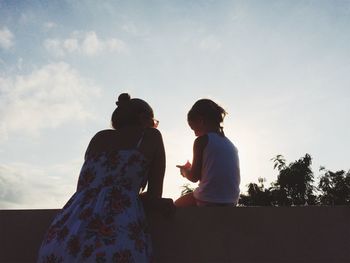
[
  {"x": 130, "y": 111},
  {"x": 208, "y": 110}
]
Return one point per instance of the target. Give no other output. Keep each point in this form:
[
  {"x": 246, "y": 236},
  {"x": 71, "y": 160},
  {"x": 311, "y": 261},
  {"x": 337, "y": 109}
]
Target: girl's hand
[{"x": 185, "y": 169}]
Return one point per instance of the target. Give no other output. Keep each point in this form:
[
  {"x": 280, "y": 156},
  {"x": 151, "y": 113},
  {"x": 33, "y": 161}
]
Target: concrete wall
[{"x": 243, "y": 235}]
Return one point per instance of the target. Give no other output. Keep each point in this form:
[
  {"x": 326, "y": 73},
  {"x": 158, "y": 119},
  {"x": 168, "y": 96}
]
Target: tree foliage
[
  {"x": 294, "y": 182},
  {"x": 334, "y": 187},
  {"x": 295, "y": 186},
  {"x": 257, "y": 195},
  {"x": 186, "y": 189}
]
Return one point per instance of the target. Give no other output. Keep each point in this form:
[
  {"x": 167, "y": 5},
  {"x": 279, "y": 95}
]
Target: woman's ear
[{"x": 145, "y": 121}]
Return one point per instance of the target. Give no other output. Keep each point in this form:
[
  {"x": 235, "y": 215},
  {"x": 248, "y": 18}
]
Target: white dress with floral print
[{"x": 104, "y": 220}]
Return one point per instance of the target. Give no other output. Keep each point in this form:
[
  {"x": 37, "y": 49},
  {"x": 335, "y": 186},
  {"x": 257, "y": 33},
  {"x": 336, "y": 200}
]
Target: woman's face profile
[{"x": 148, "y": 122}]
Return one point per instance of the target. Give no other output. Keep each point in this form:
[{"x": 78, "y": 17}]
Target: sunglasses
[{"x": 155, "y": 123}]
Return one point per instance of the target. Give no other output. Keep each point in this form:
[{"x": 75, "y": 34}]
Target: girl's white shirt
[{"x": 220, "y": 176}]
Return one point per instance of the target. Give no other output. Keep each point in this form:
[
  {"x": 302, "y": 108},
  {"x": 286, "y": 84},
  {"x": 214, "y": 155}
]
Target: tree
[
  {"x": 335, "y": 187},
  {"x": 294, "y": 186},
  {"x": 257, "y": 195},
  {"x": 186, "y": 189},
  {"x": 294, "y": 182}
]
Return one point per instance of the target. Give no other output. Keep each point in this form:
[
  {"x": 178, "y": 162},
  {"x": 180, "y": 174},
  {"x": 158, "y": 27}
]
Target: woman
[{"x": 104, "y": 220}]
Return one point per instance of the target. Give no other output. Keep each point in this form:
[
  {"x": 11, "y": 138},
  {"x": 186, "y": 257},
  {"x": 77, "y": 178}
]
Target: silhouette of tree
[
  {"x": 294, "y": 182},
  {"x": 293, "y": 186},
  {"x": 257, "y": 195},
  {"x": 335, "y": 187},
  {"x": 279, "y": 162}
]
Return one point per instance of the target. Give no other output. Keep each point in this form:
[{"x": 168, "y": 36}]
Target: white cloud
[
  {"x": 91, "y": 44},
  {"x": 132, "y": 29},
  {"x": 46, "y": 98},
  {"x": 27, "y": 186},
  {"x": 6, "y": 38},
  {"x": 27, "y": 18},
  {"x": 20, "y": 63},
  {"x": 87, "y": 43},
  {"x": 71, "y": 44},
  {"x": 54, "y": 46},
  {"x": 49, "y": 25},
  {"x": 210, "y": 43},
  {"x": 114, "y": 44}
]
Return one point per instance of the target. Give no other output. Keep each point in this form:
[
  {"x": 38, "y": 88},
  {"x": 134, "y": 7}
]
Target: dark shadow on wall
[{"x": 215, "y": 234}]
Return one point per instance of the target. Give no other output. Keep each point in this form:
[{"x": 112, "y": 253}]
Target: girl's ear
[{"x": 201, "y": 120}]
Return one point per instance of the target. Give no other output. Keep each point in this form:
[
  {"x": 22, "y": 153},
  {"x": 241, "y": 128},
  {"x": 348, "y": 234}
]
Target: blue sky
[{"x": 280, "y": 68}]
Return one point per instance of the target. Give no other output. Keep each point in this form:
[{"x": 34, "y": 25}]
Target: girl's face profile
[{"x": 197, "y": 126}]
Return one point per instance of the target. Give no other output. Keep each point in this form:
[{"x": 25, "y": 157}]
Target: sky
[{"x": 279, "y": 68}]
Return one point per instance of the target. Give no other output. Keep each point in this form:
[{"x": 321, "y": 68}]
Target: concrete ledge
[{"x": 215, "y": 234}]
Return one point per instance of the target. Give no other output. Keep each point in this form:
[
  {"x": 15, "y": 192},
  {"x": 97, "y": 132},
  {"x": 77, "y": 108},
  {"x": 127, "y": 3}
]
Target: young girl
[{"x": 215, "y": 159}]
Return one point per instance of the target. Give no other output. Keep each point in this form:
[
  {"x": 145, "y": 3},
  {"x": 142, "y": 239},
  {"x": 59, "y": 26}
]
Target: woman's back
[
  {"x": 132, "y": 137},
  {"x": 148, "y": 142},
  {"x": 104, "y": 218},
  {"x": 113, "y": 159}
]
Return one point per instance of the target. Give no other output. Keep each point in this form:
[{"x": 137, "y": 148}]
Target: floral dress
[{"x": 104, "y": 220}]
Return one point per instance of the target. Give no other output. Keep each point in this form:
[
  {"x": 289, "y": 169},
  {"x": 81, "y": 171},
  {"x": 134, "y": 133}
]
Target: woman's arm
[
  {"x": 157, "y": 168},
  {"x": 152, "y": 200}
]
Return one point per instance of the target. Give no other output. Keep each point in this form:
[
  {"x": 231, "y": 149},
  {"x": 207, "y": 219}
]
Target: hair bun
[{"x": 124, "y": 97}]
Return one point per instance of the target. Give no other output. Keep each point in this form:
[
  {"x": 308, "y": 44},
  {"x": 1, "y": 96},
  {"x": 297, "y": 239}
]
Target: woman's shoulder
[
  {"x": 153, "y": 133},
  {"x": 105, "y": 132},
  {"x": 101, "y": 136}
]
